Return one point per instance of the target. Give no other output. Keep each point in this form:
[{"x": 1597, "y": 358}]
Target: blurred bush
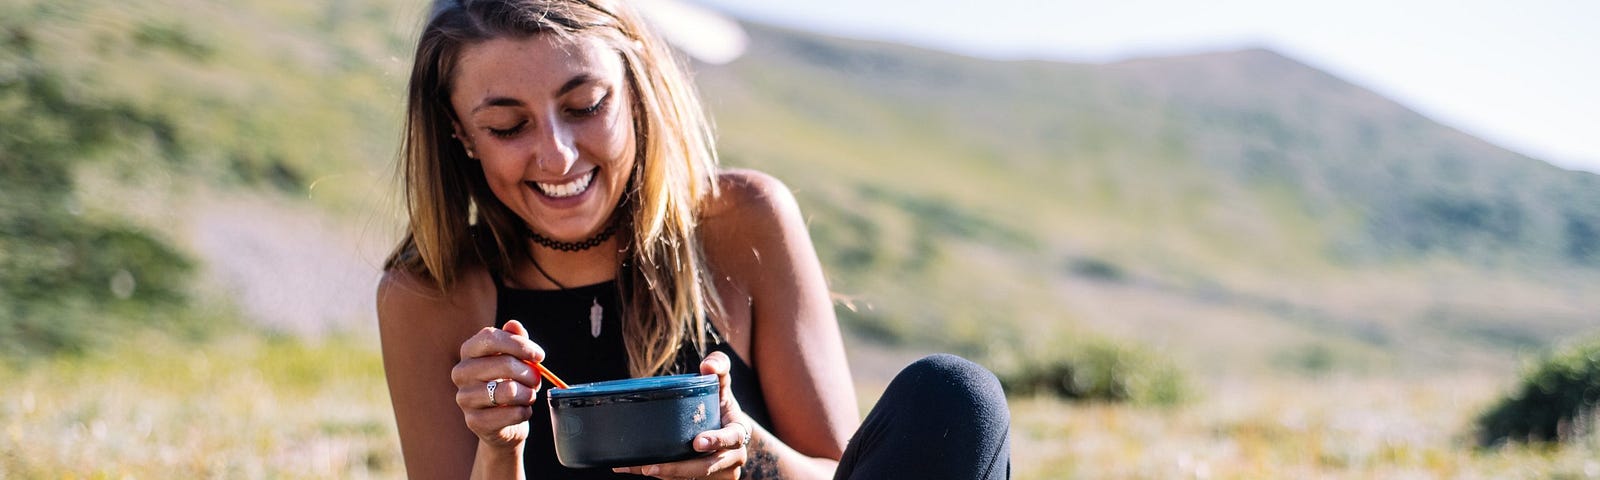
[
  {"x": 1556, "y": 400},
  {"x": 67, "y": 277},
  {"x": 1096, "y": 370},
  {"x": 1096, "y": 269},
  {"x": 154, "y": 97}
]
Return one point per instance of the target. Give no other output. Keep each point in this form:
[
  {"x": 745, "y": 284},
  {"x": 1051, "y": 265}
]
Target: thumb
[
  {"x": 515, "y": 328},
  {"x": 716, "y": 363}
]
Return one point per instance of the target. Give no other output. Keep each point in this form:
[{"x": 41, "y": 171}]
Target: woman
[{"x": 566, "y": 208}]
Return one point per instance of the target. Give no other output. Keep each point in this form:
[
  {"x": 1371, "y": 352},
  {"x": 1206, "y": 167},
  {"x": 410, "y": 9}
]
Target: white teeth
[{"x": 563, "y": 190}]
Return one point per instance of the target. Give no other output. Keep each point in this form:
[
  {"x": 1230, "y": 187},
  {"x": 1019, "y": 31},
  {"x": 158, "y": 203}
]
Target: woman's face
[{"x": 550, "y": 120}]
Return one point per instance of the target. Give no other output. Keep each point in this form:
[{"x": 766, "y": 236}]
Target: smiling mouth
[{"x": 563, "y": 190}]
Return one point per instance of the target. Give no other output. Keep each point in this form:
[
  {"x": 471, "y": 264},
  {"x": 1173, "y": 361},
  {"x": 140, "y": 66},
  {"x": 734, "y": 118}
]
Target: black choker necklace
[{"x": 597, "y": 239}]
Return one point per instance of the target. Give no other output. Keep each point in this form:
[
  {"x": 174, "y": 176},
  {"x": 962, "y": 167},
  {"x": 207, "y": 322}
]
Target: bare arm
[
  {"x": 423, "y": 331},
  {"x": 795, "y": 343},
  {"x": 777, "y": 315}
]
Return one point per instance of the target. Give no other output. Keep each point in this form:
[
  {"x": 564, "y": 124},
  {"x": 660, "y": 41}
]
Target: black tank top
[{"x": 559, "y": 321}]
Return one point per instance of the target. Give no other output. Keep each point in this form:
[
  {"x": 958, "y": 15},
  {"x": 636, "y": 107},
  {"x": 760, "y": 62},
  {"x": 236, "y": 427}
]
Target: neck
[{"x": 570, "y": 269}]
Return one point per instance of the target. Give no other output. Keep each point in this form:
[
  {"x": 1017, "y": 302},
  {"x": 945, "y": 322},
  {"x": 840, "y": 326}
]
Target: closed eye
[
  {"x": 507, "y": 132},
  {"x": 592, "y": 110}
]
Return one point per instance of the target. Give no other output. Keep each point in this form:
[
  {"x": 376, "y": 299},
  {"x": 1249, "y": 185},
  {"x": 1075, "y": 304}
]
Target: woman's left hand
[{"x": 727, "y": 444}]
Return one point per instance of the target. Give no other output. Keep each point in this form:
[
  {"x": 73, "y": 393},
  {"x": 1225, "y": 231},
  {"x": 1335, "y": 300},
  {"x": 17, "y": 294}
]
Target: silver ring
[{"x": 492, "y": 385}]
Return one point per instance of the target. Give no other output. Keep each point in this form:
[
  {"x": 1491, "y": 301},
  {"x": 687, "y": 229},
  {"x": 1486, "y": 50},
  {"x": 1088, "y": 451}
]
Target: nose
[{"x": 556, "y": 152}]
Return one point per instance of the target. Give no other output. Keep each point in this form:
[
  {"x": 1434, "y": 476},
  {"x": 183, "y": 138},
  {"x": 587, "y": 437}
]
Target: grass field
[
  {"x": 258, "y": 406},
  {"x": 1334, "y": 428},
  {"x": 239, "y": 406}
]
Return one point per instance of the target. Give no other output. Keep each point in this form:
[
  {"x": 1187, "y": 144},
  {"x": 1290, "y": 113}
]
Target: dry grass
[
  {"x": 1330, "y": 428},
  {"x": 241, "y": 407},
  {"x": 246, "y": 406}
]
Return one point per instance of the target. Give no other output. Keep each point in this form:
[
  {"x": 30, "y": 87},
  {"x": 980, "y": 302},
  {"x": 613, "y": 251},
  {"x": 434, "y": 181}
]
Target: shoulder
[
  {"x": 753, "y": 233},
  {"x": 412, "y": 306},
  {"x": 401, "y": 285},
  {"x": 752, "y": 213},
  {"x": 748, "y": 200}
]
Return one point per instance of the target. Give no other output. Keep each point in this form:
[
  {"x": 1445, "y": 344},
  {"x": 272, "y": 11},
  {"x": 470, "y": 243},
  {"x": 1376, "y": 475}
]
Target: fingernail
[{"x": 702, "y": 443}]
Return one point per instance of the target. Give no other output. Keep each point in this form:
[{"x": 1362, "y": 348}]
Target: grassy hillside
[
  {"x": 958, "y": 203},
  {"x": 114, "y": 115},
  {"x": 1415, "y": 186},
  {"x": 1244, "y": 128},
  {"x": 1284, "y": 209}
]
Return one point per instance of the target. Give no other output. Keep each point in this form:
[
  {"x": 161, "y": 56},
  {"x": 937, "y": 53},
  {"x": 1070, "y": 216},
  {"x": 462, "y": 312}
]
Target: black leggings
[{"x": 941, "y": 417}]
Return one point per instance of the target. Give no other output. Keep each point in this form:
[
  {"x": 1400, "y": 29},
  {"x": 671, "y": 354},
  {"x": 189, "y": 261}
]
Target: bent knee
[{"x": 953, "y": 378}]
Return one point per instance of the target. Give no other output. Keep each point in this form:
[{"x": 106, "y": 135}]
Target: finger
[
  {"x": 493, "y": 341},
  {"x": 515, "y": 327},
  {"x": 494, "y": 419},
  {"x": 716, "y": 363},
  {"x": 474, "y": 372},
  {"x": 707, "y": 466},
  {"x": 506, "y": 393},
  {"x": 517, "y": 393},
  {"x": 725, "y": 438}
]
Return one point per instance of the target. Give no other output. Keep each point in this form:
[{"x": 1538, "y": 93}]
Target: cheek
[
  {"x": 504, "y": 179},
  {"x": 613, "y": 141},
  {"x": 498, "y": 172}
]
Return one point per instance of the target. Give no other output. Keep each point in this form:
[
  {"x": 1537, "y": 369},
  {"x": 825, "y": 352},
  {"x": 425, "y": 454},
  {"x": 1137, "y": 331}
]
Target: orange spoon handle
[{"x": 548, "y": 375}]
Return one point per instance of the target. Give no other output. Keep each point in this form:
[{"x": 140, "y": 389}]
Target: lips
[{"x": 566, "y": 189}]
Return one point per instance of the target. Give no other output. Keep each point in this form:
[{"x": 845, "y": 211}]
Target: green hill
[
  {"x": 1234, "y": 210},
  {"x": 1222, "y": 133},
  {"x": 115, "y": 115},
  {"x": 1283, "y": 210}
]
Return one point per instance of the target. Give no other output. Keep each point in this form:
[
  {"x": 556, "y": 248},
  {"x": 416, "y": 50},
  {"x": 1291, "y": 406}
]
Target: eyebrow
[
  {"x": 576, "y": 82},
  {"x": 499, "y": 101}
]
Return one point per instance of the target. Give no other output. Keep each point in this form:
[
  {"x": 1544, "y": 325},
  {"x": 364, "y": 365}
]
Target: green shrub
[
  {"x": 1096, "y": 269},
  {"x": 1097, "y": 370},
  {"x": 1556, "y": 401}
]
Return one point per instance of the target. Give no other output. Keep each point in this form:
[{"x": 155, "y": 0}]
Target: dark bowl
[{"x": 636, "y": 421}]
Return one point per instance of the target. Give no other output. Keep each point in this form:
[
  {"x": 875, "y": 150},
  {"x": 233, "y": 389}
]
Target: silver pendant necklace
[
  {"x": 595, "y": 315},
  {"x": 596, "y": 312}
]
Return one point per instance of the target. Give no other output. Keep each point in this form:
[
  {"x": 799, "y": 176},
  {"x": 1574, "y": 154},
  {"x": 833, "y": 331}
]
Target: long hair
[{"x": 455, "y": 219}]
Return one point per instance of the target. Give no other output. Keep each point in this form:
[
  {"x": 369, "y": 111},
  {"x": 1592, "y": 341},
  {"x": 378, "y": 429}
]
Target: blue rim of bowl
[{"x": 641, "y": 389}]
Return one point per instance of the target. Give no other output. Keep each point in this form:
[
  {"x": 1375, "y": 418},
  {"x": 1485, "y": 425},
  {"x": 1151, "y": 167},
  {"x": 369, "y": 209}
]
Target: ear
[{"x": 460, "y": 134}]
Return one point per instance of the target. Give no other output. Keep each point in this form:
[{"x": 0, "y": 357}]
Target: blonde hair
[{"x": 666, "y": 291}]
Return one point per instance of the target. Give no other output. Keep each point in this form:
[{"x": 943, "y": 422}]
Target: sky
[{"x": 1524, "y": 75}]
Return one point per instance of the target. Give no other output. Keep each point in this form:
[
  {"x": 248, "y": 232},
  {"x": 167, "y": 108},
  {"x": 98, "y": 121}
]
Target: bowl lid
[{"x": 635, "y": 385}]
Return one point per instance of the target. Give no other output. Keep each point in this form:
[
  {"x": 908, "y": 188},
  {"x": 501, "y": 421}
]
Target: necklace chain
[
  {"x": 547, "y": 276},
  {"x": 579, "y": 246},
  {"x": 596, "y": 312}
]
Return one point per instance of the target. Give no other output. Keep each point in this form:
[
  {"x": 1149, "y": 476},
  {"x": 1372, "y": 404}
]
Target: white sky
[{"x": 1521, "y": 74}]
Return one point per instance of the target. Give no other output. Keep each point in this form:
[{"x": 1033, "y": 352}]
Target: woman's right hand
[{"x": 497, "y": 356}]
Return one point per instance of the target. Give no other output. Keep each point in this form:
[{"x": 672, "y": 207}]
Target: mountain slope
[
  {"x": 1238, "y": 208},
  {"x": 1421, "y": 187},
  {"x": 1243, "y": 124},
  {"x": 987, "y": 202}
]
